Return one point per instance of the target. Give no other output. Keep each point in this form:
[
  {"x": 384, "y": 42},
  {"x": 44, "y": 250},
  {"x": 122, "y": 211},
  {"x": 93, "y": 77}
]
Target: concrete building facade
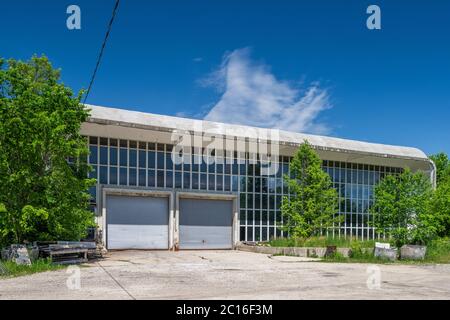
[{"x": 174, "y": 183}]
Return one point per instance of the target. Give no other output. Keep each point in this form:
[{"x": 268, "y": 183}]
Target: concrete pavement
[{"x": 229, "y": 275}]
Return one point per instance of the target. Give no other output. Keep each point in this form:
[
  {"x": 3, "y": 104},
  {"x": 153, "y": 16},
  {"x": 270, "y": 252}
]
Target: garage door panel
[
  {"x": 201, "y": 237},
  {"x": 205, "y": 224},
  {"x": 204, "y": 212},
  {"x": 137, "y": 222},
  {"x": 127, "y": 236},
  {"x": 137, "y": 210}
]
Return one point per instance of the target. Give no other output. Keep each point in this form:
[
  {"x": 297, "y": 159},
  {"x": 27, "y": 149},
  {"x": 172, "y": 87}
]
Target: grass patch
[
  {"x": 11, "y": 269},
  {"x": 321, "y": 242},
  {"x": 438, "y": 251}
]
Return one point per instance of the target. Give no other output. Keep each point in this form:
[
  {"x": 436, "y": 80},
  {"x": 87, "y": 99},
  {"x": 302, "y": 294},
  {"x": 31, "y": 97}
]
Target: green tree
[
  {"x": 442, "y": 167},
  {"x": 313, "y": 202},
  {"x": 401, "y": 208},
  {"x": 440, "y": 207},
  {"x": 440, "y": 204},
  {"x": 43, "y": 171}
]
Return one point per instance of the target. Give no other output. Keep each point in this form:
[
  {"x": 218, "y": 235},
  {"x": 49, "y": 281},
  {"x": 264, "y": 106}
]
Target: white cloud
[{"x": 251, "y": 95}]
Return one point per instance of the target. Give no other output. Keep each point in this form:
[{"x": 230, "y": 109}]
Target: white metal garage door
[
  {"x": 206, "y": 224},
  {"x": 137, "y": 222}
]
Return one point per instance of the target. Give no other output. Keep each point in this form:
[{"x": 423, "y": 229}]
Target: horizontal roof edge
[{"x": 136, "y": 119}]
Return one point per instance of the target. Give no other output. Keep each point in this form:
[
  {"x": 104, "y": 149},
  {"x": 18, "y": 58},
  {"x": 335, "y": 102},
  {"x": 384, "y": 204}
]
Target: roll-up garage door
[
  {"x": 205, "y": 224},
  {"x": 137, "y": 222}
]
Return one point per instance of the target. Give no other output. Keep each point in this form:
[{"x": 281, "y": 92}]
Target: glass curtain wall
[{"x": 140, "y": 164}]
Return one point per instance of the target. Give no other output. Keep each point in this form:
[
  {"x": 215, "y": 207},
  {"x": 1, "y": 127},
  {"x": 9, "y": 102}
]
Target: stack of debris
[
  {"x": 19, "y": 254},
  {"x": 68, "y": 252},
  {"x": 60, "y": 252}
]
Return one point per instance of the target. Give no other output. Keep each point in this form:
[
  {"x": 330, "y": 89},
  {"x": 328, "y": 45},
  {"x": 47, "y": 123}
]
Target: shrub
[
  {"x": 401, "y": 209},
  {"x": 312, "y": 205}
]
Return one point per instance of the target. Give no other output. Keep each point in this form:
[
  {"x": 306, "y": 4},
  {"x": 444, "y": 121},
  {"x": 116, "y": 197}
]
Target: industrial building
[{"x": 175, "y": 183}]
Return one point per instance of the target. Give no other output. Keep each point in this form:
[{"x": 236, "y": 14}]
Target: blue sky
[{"x": 309, "y": 66}]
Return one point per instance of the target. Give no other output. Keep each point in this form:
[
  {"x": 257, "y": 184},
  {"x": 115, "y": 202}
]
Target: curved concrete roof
[{"x": 130, "y": 118}]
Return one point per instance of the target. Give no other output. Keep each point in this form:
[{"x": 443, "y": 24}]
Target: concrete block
[
  {"x": 345, "y": 252},
  {"x": 382, "y": 245},
  {"x": 292, "y": 251},
  {"x": 390, "y": 254},
  {"x": 413, "y": 252},
  {"x": 19, "y": 254},
  {"x": 317, "y": 252},
  {"x": 289, "y": 251},
  {"x": 300, "y": 252}
]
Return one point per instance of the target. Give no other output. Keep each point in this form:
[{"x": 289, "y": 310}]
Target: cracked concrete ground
[{"x": 228, "y": 275}]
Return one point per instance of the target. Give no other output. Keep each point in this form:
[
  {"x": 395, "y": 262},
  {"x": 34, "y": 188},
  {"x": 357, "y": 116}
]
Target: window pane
[
  {"x": 203, "y": 167},
  {"x": 250, "y": 234},
  {"x": 93, "y": 153},
  {"x": 195, "y": 163},
  {"x": 151, "y": 178},
  {"x": 235, "y": 168},
  {"x": 133, "y": 158},
  {"x": 133, "y": 144},
  {"x": 242, "y": 217},
  {"x": 123, "y": 176},
  {"x": 242, "y": 234},
  {"x": 169, "y": 162},
  {"x": 195, "y": 181},
  {"x": 93, "y": 193},
  {"x": 113, "y": 156},
  {"x": 219, "y": 183},
  {"x": 177, "y": 179},
  {"x": 123, "y": 157},
  {"x": 257, "y": 201},
  {"x": 243, "y": 202},
  {"x": 249, "y": 200},
  {"x": 142, "y": 158},
  {"x": 243, "y": 184},
  {"x": 160, "y": 179},
  {"x": 142, "y": 177},
  {"x": 113, "y": 175},
  {"x": 227, "y": 183},
  {"x": 186, "y": 180},
  {"x": 264, "y": 201},
  {"x": 203, "y": 181},
  {"x": 211, "y": 182},
  {"x": 132, "y": 178},
  {"x": 103, "y": 174},
  {"x": 104, "y": 155},
  {"x": 151, "y": 159},
  {"x": 160, "y": 160},
  {"x": 235, "y": 183},
  {"x": 169, "y": 179}
]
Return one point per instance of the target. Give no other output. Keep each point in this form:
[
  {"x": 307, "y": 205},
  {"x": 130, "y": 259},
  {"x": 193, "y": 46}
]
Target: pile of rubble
[
  {"x": 407, "y": 252},
  {"x": 60, "y": 252}
]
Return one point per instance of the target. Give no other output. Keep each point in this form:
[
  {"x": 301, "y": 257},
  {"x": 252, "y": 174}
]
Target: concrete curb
[{"x": 317, "y": 252}]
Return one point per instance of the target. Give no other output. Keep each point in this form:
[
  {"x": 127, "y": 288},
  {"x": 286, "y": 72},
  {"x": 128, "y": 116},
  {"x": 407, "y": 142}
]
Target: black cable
[{"x": 102, "y": 49}]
